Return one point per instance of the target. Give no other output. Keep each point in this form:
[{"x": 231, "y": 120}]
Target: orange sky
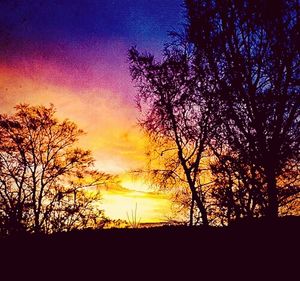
[{"x": 110, "y": 124}]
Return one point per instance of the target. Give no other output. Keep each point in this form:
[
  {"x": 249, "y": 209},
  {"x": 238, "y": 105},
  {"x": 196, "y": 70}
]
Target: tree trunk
[
  {"x": 200, "y": 206},
  {"x": 272, "y": 210},
  {"x": 192, "y": 211},
  {"x": 197, "y": 199}
]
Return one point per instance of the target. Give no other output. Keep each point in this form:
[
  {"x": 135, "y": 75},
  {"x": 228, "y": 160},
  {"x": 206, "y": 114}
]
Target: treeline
[{"x": 222, "y": 110}]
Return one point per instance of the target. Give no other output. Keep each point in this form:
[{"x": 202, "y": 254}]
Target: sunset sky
[{"x": 74, "y": 54}]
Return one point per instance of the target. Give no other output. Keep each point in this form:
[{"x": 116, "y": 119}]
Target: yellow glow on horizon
[
  {"x": 111, "y": 134},
  {"x": 149, "y": 207},
  {"x": 135, "y": 184}
]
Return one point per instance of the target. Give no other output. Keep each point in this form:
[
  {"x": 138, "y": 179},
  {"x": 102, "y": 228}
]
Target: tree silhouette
[
  {"x": 43, "y": 176},
  {"x": 238, "y": 191},
  {"x": 177, "y": 115},
  {"x": 249, "y": 53},
  {"x": 227, "y": 90}
]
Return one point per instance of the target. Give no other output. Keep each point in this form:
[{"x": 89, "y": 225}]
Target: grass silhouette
[{"x": 132, "y": 219}]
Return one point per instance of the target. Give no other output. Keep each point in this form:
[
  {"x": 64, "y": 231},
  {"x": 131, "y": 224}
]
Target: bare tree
[
  {"x": 248, "y": 52},
  {"x": 45, "y": 180},
  {"x": 177, "y": 115}
]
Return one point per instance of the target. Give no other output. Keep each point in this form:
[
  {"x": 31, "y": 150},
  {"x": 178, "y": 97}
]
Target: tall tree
[
  {"x": 43, "y": 175},
  {"x": 176, "y": 114},
  {"x": 249, "y": 53}
]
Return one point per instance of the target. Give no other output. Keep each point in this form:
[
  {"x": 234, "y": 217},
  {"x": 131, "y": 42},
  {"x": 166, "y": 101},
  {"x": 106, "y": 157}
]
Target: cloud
[
  {"x": 112, "y": 135},
  {"x": 105, "y": 115},
  {"x": 119, "y": 203}
]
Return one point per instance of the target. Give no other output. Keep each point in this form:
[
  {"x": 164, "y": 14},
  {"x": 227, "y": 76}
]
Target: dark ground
[{"x": 257, "y": 250}]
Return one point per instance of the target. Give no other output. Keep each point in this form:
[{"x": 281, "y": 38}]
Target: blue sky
[{"x": 134, "y": 21}]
